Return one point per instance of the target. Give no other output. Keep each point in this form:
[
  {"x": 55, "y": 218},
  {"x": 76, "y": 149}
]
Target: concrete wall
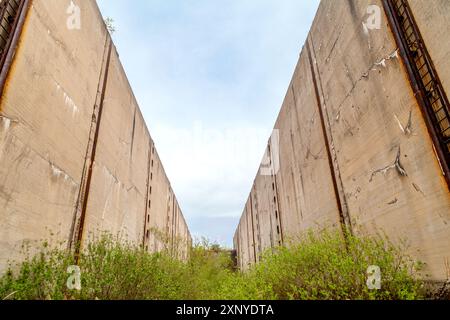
[
  {"x": 49, "y": 112},
  {"x": 339, "y": 127}
]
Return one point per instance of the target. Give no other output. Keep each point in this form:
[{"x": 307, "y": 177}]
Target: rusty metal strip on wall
[
  {"x": 278, "y": 208},
  {"x": 146, "y": 235},
  {"x": 83, "y": 197},
  {"x": 337, "y": 182},
  {"x": 423, "y": 77},
  {"x": 12, "y": 15},
  {"x": 175, "y": 224},
  {"x": 253, "y": 228}
]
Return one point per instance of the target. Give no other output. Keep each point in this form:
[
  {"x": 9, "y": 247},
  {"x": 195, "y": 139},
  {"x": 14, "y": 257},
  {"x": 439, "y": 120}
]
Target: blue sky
[{"x": 210, "y": 78}]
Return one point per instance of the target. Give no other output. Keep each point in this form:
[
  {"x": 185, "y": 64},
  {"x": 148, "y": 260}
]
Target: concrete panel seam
[{"x": 332, "y": 158}]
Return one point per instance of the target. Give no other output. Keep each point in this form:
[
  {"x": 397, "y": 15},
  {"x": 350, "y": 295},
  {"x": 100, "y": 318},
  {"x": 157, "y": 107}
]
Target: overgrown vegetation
[
  {"x": 327, "y": 267},
  {"x": 318, "y": 267}
]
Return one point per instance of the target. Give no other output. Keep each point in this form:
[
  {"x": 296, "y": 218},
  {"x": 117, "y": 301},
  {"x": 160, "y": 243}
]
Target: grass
[{"x": 317, "y": 267}]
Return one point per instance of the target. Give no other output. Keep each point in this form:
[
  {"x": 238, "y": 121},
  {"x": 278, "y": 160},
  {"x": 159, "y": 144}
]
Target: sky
[{"x": 210, "y": 78}]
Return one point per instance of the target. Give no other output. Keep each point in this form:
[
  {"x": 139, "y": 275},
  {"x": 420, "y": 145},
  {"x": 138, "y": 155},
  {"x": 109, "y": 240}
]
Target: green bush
[
  {"x": 316, "y": 267},
  {"x": 326, "y": 266}
]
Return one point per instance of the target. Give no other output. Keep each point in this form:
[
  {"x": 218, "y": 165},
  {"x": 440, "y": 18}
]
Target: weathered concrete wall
[
  {"x": 339, "y": 136},
  {"x": 46, "y": 118}
]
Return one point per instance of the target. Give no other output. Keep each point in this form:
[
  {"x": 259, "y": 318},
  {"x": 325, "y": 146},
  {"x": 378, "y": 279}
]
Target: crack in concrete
[
  {"x": 334, "y": 45},
  {"x": 395, "y": 166},
  {"x": 418, "y": 189},
  {"x": 366, "y": 74},
  {"x": 393, "y": 201}
]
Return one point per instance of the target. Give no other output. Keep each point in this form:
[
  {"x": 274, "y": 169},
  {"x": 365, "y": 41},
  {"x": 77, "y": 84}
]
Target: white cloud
[{"x": 210, "y": 78}]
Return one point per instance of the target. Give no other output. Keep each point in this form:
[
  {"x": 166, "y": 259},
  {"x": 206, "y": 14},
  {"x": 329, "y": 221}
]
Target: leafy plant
[
  {"x": 109, "y": 22},
  {"x": 315, "y": 266}
]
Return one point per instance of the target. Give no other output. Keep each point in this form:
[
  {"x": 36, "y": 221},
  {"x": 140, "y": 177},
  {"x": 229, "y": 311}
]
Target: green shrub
[
  {"x": 326, "y": 266},
  {"x": 317, "y": 267}
]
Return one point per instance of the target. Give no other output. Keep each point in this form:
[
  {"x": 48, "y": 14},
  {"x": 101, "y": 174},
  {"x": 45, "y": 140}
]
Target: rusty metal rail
[
  {"x": 12, "y": 17},
  {"x": 423, "y": 77},
  {"x": 9, "y": 12}
]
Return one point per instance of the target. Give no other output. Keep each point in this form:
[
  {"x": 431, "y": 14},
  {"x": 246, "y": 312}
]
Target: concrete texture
[
  {"x": 340, "y": 138},
  {"x": 47, "y": 117}
]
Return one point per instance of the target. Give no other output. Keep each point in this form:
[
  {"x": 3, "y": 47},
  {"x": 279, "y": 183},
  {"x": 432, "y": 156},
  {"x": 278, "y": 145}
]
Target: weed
[{"x": 324, "y": 266}]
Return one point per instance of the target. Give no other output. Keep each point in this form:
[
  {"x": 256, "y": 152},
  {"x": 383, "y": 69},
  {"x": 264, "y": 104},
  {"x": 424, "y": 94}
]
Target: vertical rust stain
[
  {"x": 238, "y": 242},
  {"x": 85, "y": 192},
  {"x": 147, "y": 196},
  {"x": 253, "y": 228},
  {"x": 82, "y": 188},
  {"x": 174, "y": 223},
  {"x": 296, "y": 162},
  {"x": 248, "y": 234},
  {"x": 132, "y": 136},
  {"x": 254, "y": 201},
  {"x": 279, "y": 221},
  {"x": 342, "y": 206}
]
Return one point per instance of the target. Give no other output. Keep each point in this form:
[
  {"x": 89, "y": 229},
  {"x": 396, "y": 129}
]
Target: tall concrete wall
[
  {"x": 339, "y": 138},
  {"x": 71, "y": 132}
]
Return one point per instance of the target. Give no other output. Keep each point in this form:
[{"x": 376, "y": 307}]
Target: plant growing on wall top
[{"x": 110, "y": 25}]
